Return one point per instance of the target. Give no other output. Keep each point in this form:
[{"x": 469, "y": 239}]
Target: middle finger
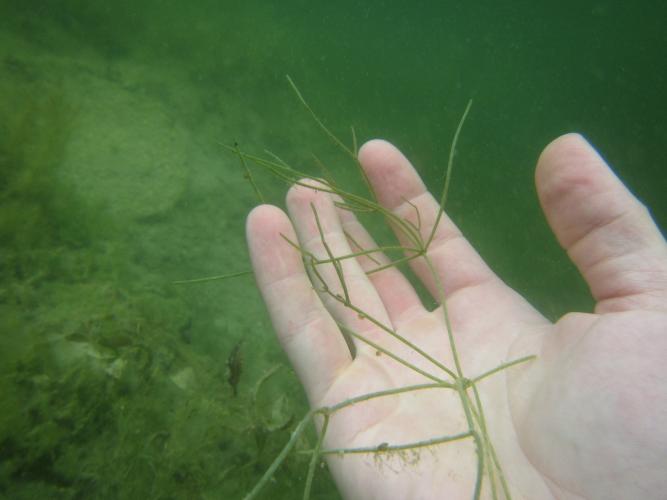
[{"x": 346, "y": 291}]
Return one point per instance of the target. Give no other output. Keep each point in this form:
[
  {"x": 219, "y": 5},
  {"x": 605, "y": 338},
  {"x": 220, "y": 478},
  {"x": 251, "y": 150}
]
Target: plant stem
[
  {"x": 212, "y": 278},
  {"x": 315, "y": 457},
  {"x": 386, "y": 448},
  {"x": 281, "y": 456}
]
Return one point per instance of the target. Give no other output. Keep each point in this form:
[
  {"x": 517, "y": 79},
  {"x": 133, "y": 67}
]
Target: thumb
[{"x": 606, "y": 231}]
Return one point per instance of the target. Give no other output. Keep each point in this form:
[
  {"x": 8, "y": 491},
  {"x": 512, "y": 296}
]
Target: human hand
[{"x": 580, "y": 421}]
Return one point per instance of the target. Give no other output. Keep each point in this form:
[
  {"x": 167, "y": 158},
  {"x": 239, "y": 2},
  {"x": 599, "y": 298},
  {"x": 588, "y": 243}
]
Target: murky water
[{"x": 114, "y": 382}]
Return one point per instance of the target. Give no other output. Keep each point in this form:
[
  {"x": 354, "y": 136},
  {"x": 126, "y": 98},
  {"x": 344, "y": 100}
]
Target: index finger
[{"x": 306, "y": 331}]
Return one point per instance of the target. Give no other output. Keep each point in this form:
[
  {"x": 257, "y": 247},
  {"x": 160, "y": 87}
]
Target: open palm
[{"x": 580, "y": 421}]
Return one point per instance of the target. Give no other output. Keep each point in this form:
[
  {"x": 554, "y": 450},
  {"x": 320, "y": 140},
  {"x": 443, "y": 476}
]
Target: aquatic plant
[{"x": 329, "y": 277}]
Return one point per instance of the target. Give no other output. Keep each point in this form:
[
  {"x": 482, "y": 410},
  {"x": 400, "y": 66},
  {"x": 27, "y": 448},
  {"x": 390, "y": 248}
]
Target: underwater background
[{"x": 117, "y": 383}]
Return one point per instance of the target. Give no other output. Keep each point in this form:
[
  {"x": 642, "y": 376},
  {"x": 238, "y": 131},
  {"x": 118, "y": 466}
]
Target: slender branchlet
[
  {"x": 448, "y": 173},
  {"x": 212, "y": 278},
  {"x": 248, "y": 174},
  {"x": 334, "y": 261},
  {"x": 387, "y": 448},
  {"x": 338, "y": 142}
]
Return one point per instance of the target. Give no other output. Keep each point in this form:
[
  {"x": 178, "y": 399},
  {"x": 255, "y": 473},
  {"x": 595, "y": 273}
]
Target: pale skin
[{"x": 584, "y": 420}]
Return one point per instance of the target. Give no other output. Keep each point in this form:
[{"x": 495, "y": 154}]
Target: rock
[{"x": 125, "y": 152}]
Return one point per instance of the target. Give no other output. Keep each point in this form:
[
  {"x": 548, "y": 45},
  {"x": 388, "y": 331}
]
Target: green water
[{"x": 113, "y": 184}]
